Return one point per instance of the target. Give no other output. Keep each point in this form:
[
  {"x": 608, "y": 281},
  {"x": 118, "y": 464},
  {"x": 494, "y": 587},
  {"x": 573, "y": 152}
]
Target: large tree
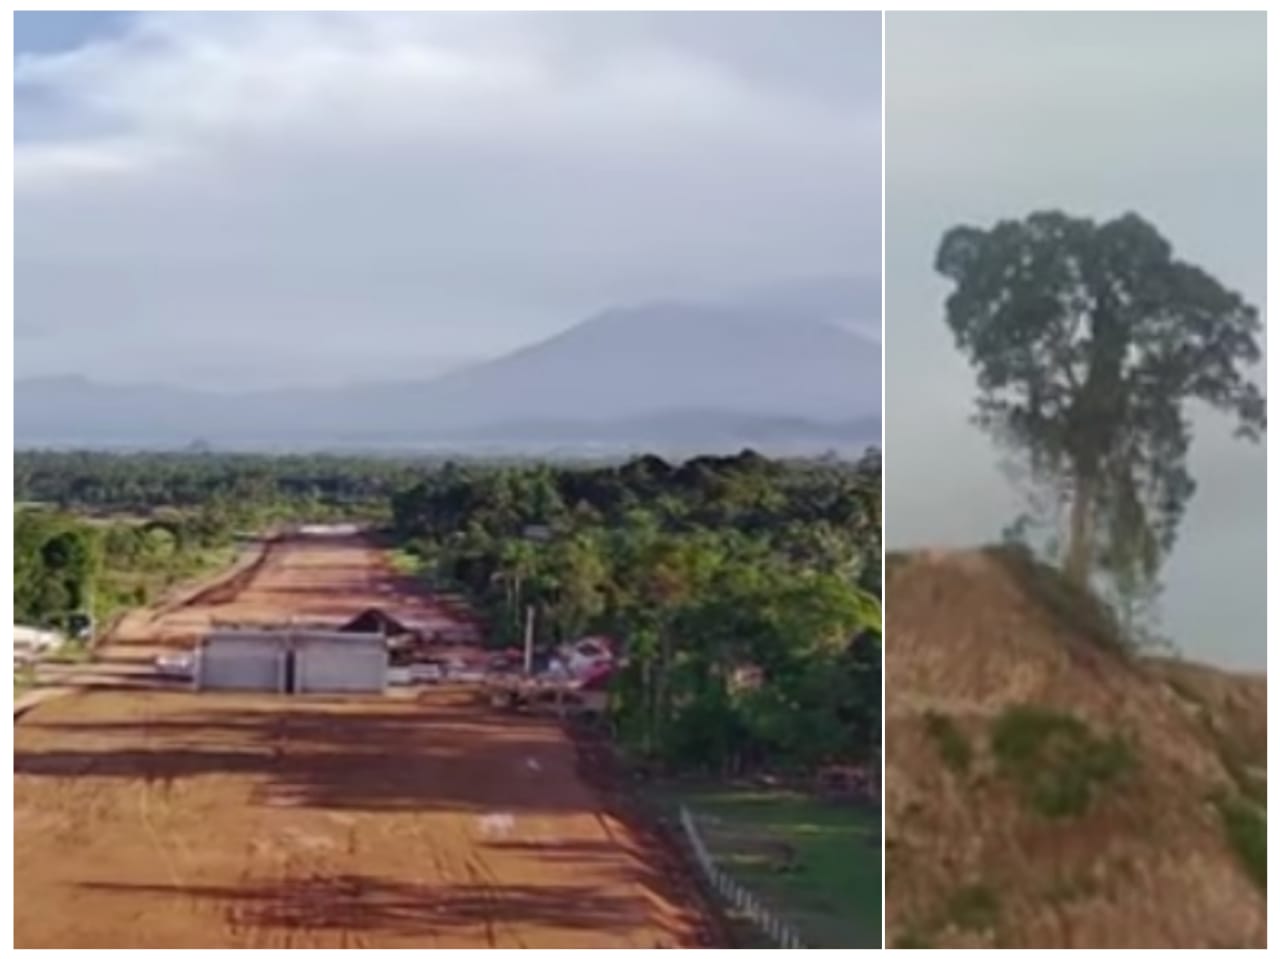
[{"x": 1089, "y": 339}]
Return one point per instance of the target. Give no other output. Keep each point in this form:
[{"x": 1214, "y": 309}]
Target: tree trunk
[{"x": 1080, "y": 536}]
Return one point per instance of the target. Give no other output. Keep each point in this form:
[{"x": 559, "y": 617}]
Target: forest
[
  {"x": 247, "y": 487},
  {"x": 745, "y": 590}
]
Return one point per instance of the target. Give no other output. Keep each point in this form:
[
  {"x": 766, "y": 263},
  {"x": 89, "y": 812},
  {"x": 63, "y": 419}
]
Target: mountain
[
  {"x": 685, "y": 371},
  {"x": 851, "y": 302}
]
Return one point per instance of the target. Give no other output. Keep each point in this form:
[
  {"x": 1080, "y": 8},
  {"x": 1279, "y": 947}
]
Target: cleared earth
[
  {"x": 154, "y": 817},
  {"x": 1046, "y": 790}
]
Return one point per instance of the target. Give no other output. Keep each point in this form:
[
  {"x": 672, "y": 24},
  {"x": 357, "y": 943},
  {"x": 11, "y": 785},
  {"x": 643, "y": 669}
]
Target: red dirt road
[{"x": 159, "y": 818}]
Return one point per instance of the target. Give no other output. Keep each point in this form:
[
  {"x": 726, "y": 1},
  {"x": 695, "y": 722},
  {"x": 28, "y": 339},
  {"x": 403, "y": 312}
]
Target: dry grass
[
  {"x": 1081, "y": 808},
  {"x": 953, "y": 749}
]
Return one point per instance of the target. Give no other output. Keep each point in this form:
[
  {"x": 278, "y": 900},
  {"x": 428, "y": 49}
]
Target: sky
[
  {"x": 234, "y": 201},
  {"x": 994, "y": 116}
]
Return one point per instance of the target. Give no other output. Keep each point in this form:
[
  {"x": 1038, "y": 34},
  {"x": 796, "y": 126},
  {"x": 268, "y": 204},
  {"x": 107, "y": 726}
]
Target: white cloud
[{"x": 454, "y": 182}]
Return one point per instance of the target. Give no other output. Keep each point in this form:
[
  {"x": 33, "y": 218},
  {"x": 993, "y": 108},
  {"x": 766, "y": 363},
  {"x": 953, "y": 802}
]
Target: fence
[{"x": 734, "y": 894}]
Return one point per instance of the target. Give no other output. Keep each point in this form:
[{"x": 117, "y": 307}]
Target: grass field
[
  {"x": 403, "y": 561},
  {"x": 814, "y": 863},
  {"x": 122, "y": 589}
]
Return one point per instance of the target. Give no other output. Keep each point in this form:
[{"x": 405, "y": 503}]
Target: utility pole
[{"x": 528, "y": 640}]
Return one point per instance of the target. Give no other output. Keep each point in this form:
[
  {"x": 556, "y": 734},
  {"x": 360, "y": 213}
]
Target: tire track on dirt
[{"x": 352, "y": 822}]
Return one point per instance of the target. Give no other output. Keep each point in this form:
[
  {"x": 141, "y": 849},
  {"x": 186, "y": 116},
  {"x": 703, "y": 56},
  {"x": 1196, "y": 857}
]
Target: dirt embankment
[{"x": 1044, "y": 789}]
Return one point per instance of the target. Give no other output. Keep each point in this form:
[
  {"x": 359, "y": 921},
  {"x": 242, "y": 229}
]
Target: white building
[{"x": 292, "y": 661}]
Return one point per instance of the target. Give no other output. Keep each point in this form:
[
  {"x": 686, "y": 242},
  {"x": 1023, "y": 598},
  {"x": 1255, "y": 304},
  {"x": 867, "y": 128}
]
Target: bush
[
  {"x": 1056, "y": 761},
  {"x": 1246, "y": 828},
  {"x": 953, "y": 748}
]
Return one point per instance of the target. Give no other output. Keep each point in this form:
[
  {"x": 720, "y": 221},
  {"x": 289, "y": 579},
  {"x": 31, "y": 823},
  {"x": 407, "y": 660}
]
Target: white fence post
[{"x": 773, "y": 927}]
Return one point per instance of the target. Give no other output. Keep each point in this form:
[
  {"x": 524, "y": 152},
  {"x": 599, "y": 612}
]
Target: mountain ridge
[{"x": 740, "y": 370}]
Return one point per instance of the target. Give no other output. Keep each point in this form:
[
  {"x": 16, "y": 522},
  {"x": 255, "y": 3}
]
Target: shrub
[
  {"x": 1246, "y": 828},
  {"x": 1056, "y": 761},
  {"x": 952, "y": 746}
]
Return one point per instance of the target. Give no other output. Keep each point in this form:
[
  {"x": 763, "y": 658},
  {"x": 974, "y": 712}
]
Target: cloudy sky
[
  {"x": 235, "y": 200},
  {"x": 994, "y": 116}
]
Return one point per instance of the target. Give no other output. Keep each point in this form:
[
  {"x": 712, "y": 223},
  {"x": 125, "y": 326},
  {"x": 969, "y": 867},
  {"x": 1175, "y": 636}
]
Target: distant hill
[{"x": 684, "y": 372}]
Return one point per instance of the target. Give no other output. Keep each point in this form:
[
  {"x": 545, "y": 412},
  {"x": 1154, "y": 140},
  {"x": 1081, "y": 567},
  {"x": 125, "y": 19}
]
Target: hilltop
[{"x": 1047, "y": 788}]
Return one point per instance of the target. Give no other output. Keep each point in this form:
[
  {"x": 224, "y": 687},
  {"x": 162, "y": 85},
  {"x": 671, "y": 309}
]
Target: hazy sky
[
  {"x": 994, "y": 116},
  {"x": 240, "y": 199}
]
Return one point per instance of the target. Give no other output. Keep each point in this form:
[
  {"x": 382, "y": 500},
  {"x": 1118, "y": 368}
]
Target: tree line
[
  {"x": 66, "y": 565},
  {"x": 745, "y": 589},
  {"x": 253, "y": 485}
]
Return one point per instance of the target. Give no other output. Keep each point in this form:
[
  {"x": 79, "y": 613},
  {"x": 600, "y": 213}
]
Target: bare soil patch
[{"x": 152, "y": 817}]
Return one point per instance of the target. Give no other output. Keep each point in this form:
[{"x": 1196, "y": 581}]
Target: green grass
[
  {"x": 827, "y": 884},
  {"x": 1057, "y": 763},
  {"x": 953, "y": 748},
  {"x": 403, "y": 561},
  {"x": 1246, "y": 828}
]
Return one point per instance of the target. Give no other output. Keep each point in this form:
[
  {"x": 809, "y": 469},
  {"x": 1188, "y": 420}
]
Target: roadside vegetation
[
  {"x": 814, "y": 862},
  {"x": 745, "y": 589},
  {"x": 67, "y": 568},
  {"x": 99, "y": 533}
]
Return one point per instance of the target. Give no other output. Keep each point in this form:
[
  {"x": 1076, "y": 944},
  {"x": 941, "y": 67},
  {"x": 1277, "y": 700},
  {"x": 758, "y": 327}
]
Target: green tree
[{"x": 1089, "y": 339}]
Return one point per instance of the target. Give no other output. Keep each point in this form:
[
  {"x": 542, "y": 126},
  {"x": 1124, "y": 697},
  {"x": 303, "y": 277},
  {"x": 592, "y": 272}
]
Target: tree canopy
[
  {"x": 708, "y": 570},
  {"x": 1089, "y": 340}
]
